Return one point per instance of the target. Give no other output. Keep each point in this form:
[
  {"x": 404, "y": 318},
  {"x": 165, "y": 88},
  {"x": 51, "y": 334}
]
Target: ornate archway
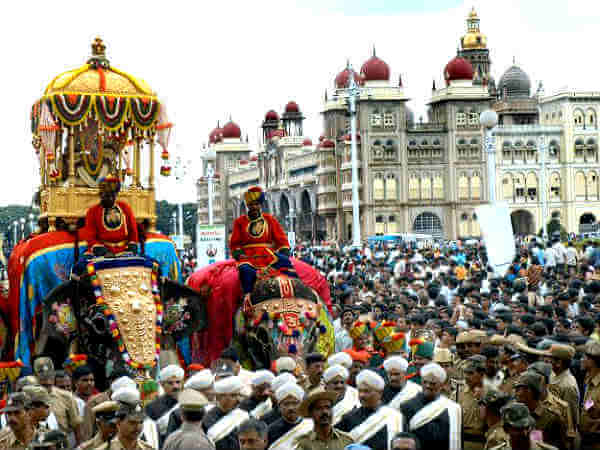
[
  {"x": 522, "y": 222},
  {"x": 428, "y": 223}
]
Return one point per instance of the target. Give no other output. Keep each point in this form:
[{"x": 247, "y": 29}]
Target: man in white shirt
[
  {"x": 560, "y": 254},
  {"x": 571, "y": 257},
  {"x": 550, "y": 257}
]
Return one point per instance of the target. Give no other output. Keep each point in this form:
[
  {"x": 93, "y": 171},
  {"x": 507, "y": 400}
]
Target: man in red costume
[
  {"x": 111, "y": 223},
  {"x": 258, "y": 243}
]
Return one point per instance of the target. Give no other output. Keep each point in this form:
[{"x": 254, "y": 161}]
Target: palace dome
[
  {"x": 292, "y": 107},
  {"x": 307, "y": 142},
  {"x": 215, "y": 135},
  {"x": 271, "y": 115},
  {"x": 515, "y": 83},
  {"x": 231, "y": 130},
  {"x": 375, "y": 69},
  {"x": 341, "y": 81},
  {"x": 458, "y": 69}
]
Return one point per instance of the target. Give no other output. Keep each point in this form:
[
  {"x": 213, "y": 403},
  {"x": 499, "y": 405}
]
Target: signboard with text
[{"x": 210, "y": 244}]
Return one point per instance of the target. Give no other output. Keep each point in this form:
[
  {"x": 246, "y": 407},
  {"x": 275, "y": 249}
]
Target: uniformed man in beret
[
  {"x": 19, "y": 433},
  {"x": 518, "y": 425},
  {"x": 106, "y": 422},
  {"x": 315, "y": 366},
  {"x": 528, "y": 390},
  {"x": 318, "y": 406},
  {"x": 191, "y": 435},
  {"x": 468, "y": 398},
  {"x": 590, "y": 411},
  {"x": 493, "y": 401},
  {"x": 38, "y": 407},
  {"x": 63, "y": 403},
  {"x": 563, "y": 383},
  {"x": 130, "y": 422}
]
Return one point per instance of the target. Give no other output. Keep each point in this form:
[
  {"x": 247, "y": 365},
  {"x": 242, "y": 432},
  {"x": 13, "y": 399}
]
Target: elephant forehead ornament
[
  {"x": 130, "y": 299},
  {"x": 286, "y": 318}
]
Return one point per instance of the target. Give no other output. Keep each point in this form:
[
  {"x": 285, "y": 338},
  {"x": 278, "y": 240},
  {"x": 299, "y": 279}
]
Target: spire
[
  {"x": 433, "y": 87},
  {"x": 348, "y": 66},
  {"x": 325, "y": 94},
  {"x": 400, "y": 80},
  {"x": 514, "y": 61},
  {"x": 374, "y": 54}
]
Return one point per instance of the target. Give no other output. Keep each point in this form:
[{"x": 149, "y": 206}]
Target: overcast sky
[{"x": 211, "y": 59}]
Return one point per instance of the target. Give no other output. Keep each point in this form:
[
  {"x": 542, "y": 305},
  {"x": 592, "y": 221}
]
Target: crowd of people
[{"x": 433, "y": 350}]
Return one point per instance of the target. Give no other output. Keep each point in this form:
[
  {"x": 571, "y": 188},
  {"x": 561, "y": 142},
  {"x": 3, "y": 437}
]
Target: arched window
[
  {"x": 519, "y": 181},
  {"x": 507, "y": 187},
  {"x": 463, "y": 226},
  {"x": 475, "y": 187},
  {"x": 555, "y": 186},
  {"x": 378, "y": 187},
  {"x": 392, "y": 225},
  {"x": 554, "y": 149},
  {"x": 463, "y": 187},
  {"x": 424, "y": 143},
  {"x": 474, "y": 141},
  {"x": 590, "y": 117},
  {"x": 578, "y": 117},
  {"x": 413, "y": 188},
  {"x": 426, "y": 187},
  {"x": 462, "y": 142},
  {"x": 592, "y": 185},
  {"x": 506, "y": 151},
  {"x": 437, "y": 143},
  {"x": 412, "y": 143},
  {"x": 579, "y": 148},
  {"x": 438, "y": 187},
  {"x": 591, "y": 150},
  {"x": 391, "y": 191},
  {"x": 579, "y": 186},
  {"x": 475, "y": 230},
  {"x": 532, "y": 188},
  {"x": 379, "y": 225}
]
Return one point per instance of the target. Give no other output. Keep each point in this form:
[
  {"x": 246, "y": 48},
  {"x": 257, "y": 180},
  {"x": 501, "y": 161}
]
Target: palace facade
[{"x": 417, "y": 176}]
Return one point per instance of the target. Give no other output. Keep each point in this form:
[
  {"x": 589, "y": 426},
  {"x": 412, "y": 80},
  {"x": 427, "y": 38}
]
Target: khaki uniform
[
  {"x": 92, "y": 444},
  {"x": 8, "y": 441},
  {"x": 189, "y": 436},
  {"x": 590, "y": 417},
  {"x": 337, "y": 441},
  {"x": 115, "y": 444},
  {"x": 551, "y": 419},
  {"x": 473, "y": 435},
  {"x": 89, "y": 418},
  {"x": 564, "y": 386},
  {"x": 65, "y": 409},
  {"x": 508, "y": 384},
  {"x": 496, "y": 436}
]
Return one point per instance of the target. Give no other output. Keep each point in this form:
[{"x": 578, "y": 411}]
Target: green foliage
[{"x": 164, "y": 221}]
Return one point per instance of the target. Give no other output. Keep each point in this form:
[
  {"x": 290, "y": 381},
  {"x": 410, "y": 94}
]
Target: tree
[{"x": 164, "y": 221}]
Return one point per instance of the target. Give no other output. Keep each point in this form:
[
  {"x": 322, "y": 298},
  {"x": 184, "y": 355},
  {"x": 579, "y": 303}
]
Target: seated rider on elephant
[
  {"x": 111, "y": 224},
  {"x": 259, "y": 245}
]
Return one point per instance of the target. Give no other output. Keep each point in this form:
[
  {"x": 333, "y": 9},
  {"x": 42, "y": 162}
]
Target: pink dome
[{"x": 231, "y": 130}]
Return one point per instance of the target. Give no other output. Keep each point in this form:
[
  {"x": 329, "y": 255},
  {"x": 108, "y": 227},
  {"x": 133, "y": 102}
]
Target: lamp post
[
  {"x": 15, "y": 231},
  {"x": 292, "y": 233},
  {"x": 544, "y": 191},
  {"x": 31, "y": 222},
  {"x": 210, "y": 176},
  {"x": 174, "y": 220},
  {"x": 22, "y": 221},
  {"x": 489, "y": 119},
  {"x": 352, "y": 93}
]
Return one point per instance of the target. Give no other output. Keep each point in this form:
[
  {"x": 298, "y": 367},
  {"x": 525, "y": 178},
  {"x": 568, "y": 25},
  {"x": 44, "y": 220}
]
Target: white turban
[
  {"x": 289, "y": 390},
  {"x": 282, "y": 379},
  {"x": 229, "y": 385},
  {"x": 122, "y": 382},
  {"x": 262, "y": 377},
  {"x": 434, "y": 370},
  {"x": 341, "y": 358},
  {"x": 128, "y": 395},
  {"x": 171, "y": 371},
  {"x": 371, "y": 379},
  {"x": 201, "y": 380},
  {"x": 335, "y": 371},
  {"x": 395, "y": 363},
  {"x": 285, "y": 363}
]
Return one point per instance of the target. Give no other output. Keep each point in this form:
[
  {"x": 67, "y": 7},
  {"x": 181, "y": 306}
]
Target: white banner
[
  {"x": 210, "y": 244},
  {"x": 497, "y": 233},
  {"x": 292, "y": 240}
]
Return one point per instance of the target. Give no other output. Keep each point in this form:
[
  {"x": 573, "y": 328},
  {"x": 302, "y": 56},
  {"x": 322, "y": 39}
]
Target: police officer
[
  {"x": 590, "y": 411},
  {"x": 468, "y": 399},
  {"x": 190, "y": 435},
  {"x": 518, "y": 425},
  {"x": 492, "y": 402},
  {"x": 19, "y": 433},
  {"x": 106, "y": 421}
]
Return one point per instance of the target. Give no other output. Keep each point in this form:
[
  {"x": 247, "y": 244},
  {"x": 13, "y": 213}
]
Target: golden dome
[
  {"x": 472, "y": 41},
  {"x": 98, "y": 77}
]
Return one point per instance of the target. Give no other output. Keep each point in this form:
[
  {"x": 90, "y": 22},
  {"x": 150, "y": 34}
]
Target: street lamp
[
  {"x": 544, "y": 191},
  {"x": 352, "y": 93},
  {"x": 174, "y": 219},
  {"x": 15, "y": 236},
  {"x": 31, "y": 222},
  {"x": 22, "y": 220},
  {"x": 489, "y": 119},
  {"x": 210, "y": 177}
]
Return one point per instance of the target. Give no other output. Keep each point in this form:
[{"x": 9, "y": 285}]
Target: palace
[{"x": 424, "y": 177}]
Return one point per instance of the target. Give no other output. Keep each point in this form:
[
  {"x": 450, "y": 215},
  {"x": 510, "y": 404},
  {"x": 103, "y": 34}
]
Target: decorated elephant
[
  {"x": 287, "y": 316},
  {"x": 121, "y": 313}
]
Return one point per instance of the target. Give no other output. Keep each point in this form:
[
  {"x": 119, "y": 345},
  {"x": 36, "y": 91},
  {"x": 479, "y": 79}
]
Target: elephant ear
[{"x": 184, "y": 310}]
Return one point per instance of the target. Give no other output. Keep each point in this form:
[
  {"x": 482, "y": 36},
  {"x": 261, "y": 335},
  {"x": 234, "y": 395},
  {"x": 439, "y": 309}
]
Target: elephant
[
  {"x": 121, "y": 313},
  {"x": 287, "y": 316}
]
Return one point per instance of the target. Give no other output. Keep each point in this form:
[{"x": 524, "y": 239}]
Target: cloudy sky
[{"x": 209, "y": 60}]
